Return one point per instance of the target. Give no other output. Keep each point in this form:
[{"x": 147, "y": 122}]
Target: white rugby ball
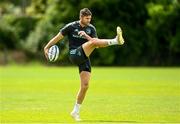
[{"x": 53, "y": 53}]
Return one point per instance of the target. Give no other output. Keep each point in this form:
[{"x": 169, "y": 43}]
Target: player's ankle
[{"x": 113, "y": 41}]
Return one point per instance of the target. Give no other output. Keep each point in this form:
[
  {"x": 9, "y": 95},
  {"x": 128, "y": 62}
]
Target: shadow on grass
[{"x": 107, "y": 121}]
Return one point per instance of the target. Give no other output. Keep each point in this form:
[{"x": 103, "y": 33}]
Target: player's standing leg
[{"x": 85, "y": 77}]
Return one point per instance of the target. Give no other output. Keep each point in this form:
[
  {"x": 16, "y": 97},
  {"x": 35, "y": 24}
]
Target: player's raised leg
[{"x": 89, "y": 46}]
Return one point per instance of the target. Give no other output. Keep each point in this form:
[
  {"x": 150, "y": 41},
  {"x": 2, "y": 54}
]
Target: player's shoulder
[
  {"x": 71, "y": 24},
  {"x": 92, "y": 26},
  {"x": 74, "y": 23}
]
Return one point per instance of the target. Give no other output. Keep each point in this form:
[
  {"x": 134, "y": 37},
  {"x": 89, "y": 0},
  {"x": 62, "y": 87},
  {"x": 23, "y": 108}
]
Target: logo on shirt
[
  {"x": 79, "y": 53},
  {"x": 76, "y": 30},
  {"x": 88, "y": 31}
]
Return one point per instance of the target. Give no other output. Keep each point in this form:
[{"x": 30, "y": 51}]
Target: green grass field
[{"x": 37, "y": 94}]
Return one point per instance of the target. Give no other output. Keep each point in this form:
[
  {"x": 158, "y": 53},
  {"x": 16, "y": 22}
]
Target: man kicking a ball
[{"x": 82, "y": 42}]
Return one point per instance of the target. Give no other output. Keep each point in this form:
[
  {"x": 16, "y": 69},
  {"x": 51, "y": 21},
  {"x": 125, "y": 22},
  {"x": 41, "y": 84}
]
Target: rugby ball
[{"x": 53, "y": 53}]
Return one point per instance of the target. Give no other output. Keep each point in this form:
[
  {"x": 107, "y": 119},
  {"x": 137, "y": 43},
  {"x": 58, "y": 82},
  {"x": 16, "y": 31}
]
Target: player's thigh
[
  {"x": 88, "y": 47},
  {"x": 85, "y": 72},
  {"x": 85, "y": 66}
]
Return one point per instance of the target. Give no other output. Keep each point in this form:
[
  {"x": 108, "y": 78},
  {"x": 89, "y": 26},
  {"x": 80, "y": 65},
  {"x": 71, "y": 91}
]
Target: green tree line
[{"x": 151, "y": 29}]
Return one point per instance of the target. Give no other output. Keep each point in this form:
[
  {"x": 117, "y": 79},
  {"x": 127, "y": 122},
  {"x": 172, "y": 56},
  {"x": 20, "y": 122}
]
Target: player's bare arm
[{"x": 53, "y": 41}]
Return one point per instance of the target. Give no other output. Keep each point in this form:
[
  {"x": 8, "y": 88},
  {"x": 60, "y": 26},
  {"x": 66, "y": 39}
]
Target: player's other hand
[{"x": 82, "y": 33}]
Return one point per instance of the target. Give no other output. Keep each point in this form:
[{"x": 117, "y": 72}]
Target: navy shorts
[{"x": 78, "y": 57}]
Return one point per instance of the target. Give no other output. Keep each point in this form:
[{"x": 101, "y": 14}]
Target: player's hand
[
  {"x": 46, "y": 52},
  {"x": 82, "y": 33}
]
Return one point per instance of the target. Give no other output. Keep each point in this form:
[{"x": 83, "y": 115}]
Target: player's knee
[
  {"x": 85, "y": 85},
  {"x": 94, "y": 42}
]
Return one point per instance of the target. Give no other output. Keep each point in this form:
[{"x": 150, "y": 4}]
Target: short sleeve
[{"x": 65, "y": 30}]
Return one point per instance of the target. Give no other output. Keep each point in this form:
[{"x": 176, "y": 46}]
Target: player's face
[{"x": 85, "y": 20}]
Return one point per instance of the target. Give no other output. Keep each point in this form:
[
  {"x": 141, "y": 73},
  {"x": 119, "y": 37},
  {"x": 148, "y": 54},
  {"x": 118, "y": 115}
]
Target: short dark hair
[{"x": 85, "y": 12}]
